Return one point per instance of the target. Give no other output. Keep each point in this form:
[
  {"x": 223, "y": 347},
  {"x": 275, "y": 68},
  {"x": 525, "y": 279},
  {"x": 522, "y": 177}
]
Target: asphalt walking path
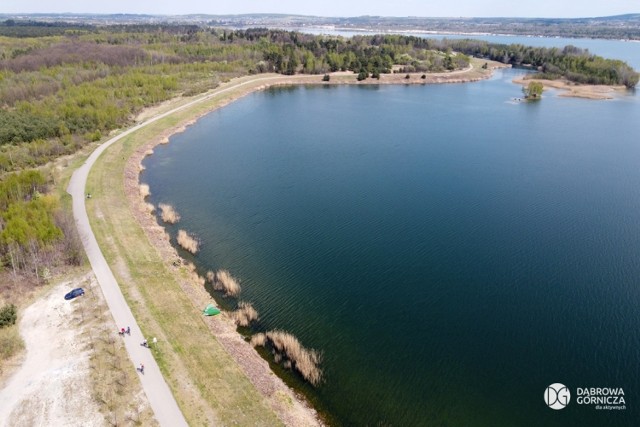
[{"x": 162, "y": 402}]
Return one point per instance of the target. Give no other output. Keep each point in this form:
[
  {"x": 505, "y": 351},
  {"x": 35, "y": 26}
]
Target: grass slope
[{"x": 208, "y": 384}]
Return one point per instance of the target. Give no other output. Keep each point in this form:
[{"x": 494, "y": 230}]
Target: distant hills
[{"x": 609, "y": 27}]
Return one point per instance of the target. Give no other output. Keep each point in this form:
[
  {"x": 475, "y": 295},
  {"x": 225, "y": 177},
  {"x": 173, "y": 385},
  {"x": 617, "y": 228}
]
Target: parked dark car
[{"x": 74, "y": 293}]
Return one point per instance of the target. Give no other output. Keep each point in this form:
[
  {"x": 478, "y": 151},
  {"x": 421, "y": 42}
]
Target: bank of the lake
[
  {"x": 222, "y": 328},
  {"x": 454, "y": 249}
]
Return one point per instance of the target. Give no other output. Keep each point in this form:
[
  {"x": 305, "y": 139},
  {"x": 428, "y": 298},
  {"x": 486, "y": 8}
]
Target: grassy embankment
[{"x": 208, "y": 385}]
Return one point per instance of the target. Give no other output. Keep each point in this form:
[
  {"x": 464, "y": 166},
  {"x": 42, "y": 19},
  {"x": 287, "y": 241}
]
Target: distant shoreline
[{"x": 370, "y": 31}]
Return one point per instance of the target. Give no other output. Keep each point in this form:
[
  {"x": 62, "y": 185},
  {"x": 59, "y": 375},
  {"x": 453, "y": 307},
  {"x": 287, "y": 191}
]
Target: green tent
[{"x": 211, "y": 310}]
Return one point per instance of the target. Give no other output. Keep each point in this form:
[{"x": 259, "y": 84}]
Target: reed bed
[
  {"x": 211, "y": 276},
  {"x": 245, "y": 314},
  {"x": 227, "y": 284},
  {"x": 168, "y": 213},
  {"x": 188, "y": 242},
  {"x": 144, "y": 190},
  {"x": 287, "y": 348},
  {"x": 150, "y": 208}
]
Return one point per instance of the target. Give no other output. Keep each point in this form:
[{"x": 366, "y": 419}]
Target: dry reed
[
  {"x": 150, "y": 207},
  {"x": 144, "y": 190},
  {"x": 211, "y": 276},
  {"x": 226, "y": 283},
  {"x": 259, "y": 339},
  {"x": 288, "y": 349},
  {"x": 245, "y": 314},
  {"x": 168, "y": 213},
  {"x": 187, "y": 242}
]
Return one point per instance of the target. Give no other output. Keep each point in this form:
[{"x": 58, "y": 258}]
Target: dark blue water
[{"x": 452, "y": 252}]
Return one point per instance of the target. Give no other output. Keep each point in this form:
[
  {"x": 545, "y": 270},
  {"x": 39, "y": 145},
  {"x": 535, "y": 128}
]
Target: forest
[{"x": 65, "y": 86}]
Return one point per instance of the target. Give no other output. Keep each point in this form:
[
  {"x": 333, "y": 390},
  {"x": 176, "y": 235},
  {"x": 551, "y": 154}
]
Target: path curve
[{"x": 158, "y": 393}]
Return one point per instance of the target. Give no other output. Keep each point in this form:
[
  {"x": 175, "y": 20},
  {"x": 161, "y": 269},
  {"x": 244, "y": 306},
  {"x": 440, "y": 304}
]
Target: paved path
[{"x": 158, "y": 393}]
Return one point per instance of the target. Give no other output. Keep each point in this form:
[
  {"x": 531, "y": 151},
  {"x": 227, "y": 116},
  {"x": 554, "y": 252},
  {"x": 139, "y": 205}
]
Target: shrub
[
  {"x": 326, "y": 78},
  {"x": 8, "y": 315}
]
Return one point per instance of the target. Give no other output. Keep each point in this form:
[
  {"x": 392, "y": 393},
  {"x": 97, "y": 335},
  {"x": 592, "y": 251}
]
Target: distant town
[{"x": 621, "y": 27}]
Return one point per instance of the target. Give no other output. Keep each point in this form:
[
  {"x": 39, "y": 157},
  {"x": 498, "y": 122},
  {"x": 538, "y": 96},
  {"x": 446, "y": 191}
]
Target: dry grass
[
  {"x": 144, "y": 190},
  {"x": 187, "y": 242},
  {"x": 115, "y": 386},
  {"x": 211, "y": 276},
  {"x": 168, "y": 213},
  {"x": 245, "y": 314},
  {"x": 288, "y": 349},
  {"x": 10, "y": 343},
  {"x": 227, "y": 284},
  {"x": 193, "y": 275},
  {"x": 150, "y": 207}
]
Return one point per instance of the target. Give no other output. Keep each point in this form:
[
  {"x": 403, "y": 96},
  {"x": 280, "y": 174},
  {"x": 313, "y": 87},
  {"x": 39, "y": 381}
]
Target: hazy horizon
[{"x": 402, "y": 8}]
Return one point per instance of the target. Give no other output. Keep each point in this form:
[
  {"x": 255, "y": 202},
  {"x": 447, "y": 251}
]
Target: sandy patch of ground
[
  {"x": 52, "y": 387},
  {"x": 575, "y": 90}
]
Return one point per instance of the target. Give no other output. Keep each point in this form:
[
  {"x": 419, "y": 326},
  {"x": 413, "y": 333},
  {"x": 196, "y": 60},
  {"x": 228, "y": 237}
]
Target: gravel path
[{"x": 158, "y": 393}]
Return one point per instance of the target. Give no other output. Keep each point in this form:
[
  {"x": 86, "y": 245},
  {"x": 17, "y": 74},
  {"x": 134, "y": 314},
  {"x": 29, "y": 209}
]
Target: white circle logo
[{"x": 557, "y": 396}]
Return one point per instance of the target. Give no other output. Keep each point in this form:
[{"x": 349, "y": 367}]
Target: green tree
[{"x": 533, "y": 90}]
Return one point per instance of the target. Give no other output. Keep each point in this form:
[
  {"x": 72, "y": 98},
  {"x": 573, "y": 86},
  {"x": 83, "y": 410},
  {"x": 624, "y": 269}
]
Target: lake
[{"x": 451, "y": 251}]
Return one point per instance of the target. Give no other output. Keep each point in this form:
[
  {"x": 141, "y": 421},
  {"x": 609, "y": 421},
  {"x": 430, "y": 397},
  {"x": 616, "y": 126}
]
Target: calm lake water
[{"x": 451, "y": 251}]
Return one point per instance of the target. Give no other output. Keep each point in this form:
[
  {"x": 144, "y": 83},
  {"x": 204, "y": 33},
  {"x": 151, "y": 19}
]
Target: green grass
[{"x": 208, "y": 384}]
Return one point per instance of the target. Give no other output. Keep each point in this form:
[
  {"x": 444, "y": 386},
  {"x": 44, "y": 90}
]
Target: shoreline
[
  {"x": 292, "y": 408},
  {"x": 297, "y": 410}
]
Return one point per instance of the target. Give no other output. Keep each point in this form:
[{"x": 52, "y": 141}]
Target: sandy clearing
[{"x": 52, "y": 387}]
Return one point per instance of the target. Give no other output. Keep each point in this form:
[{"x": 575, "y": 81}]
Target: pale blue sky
[{"x": 440, "y": 8}]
